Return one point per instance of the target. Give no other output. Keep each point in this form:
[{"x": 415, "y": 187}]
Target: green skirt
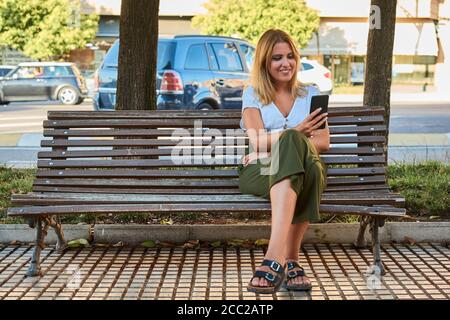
[{"x": 293, "y": 156}]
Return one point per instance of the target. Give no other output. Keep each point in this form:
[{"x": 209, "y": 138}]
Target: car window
[
  {"x": 166, "y": 53},
  {"x": 57, "y": 71},
  {"x": 4, "y": 71},
  {"x": 112, "y": 56},
  {"x": 227, "y": 56},
  {"x": 197, "y": 58},
  {"x": 306, "y": 66},
  {"x": 212, "y": 59},
  {"x": 249, "y": 53},
  {"x": 29, "y": 72}
]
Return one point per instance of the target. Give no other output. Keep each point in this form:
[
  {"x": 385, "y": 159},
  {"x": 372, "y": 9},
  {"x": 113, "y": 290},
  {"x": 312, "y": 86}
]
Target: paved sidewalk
[
  {"x": 396, "y": 97},
  {"x": 338, "y": 272}
]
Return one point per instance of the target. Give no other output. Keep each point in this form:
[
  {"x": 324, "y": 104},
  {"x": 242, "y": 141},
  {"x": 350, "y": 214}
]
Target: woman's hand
[
  {"x": 249, "y": 158},
  {"x": 312, "y": 123}
]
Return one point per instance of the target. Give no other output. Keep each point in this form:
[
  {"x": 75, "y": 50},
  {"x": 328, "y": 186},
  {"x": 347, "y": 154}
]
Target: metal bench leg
[
  {"x": 377, "y": 267},
  {"x": 361, "y": 240},
  {"x": 41, "y": 231},
  {"x": 61, "y": 243}
]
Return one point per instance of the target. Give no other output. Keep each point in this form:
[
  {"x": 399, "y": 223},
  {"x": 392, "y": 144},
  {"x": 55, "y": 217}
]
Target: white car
[{"x": 312, "y": 72}]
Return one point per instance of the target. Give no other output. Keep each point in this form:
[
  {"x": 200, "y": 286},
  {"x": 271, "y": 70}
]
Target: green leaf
[
  {"x": 216, "y": 244},
  {"x": 77, "y": 243},
  {"x": 262, "y": 242},
  {"x": 167, "y": 221},
  {"x": 149, "y": 244},
  {"x": 235, "y": 242}
]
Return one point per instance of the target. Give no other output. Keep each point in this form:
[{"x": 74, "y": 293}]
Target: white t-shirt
[{"x": 272, "y": 117}]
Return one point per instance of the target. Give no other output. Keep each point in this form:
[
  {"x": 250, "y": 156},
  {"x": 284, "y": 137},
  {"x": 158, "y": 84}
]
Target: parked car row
[
  {"x": 193, "y": 72},
  {"x": 198, "y": 72},
  {"x": 39, "y": 81}
]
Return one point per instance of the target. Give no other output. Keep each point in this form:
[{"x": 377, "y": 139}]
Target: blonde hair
[{"x": 260, "y": 79}]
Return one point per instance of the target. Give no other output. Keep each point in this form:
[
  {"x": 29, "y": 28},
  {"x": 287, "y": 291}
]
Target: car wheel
[
  {"x": 205, "y": 106},
  {"x": 68, "y": 95}
]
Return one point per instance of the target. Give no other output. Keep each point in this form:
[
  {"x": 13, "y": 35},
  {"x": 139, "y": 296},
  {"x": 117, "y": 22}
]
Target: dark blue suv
[{"x": 194, "y": 72}]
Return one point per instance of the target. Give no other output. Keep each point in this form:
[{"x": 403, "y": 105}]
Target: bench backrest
[{"x": 128, "y": 151}]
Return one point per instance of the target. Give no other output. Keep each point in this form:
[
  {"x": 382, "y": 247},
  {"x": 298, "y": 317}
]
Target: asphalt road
[
  {"x": 27, "y": 117},
  {"x": 419, "y": 117}
]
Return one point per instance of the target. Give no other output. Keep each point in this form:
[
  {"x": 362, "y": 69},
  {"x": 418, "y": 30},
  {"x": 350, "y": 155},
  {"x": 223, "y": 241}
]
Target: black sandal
[
  {"x": 275, "y": 280},
  {"x": 291, "y": 274}
]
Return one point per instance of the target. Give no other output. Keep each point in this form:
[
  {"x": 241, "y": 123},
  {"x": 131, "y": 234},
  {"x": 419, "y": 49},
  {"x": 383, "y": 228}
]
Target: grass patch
[
  {"x": 425, "y": 186},
  {"x": 13, "y": 181}
]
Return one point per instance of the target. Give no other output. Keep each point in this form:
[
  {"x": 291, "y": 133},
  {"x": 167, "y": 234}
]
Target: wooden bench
[{"x": 117, "y": 162}]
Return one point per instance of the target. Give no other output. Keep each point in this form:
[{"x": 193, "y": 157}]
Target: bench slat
[
  {"x": 226, "y": 173},
  {"x": 186, "y": 163},
  {"x": 212, "y": 122},
  {"x": 168, "y": 152},
  {"x": 141, "y": 114},
  {"x": 183, "y": 183},
  {"x": 134, "y": 197},
  {"x": 167, "y": 142},
  {"x": 337, "y": 189},
  {"x": 113, "y": 198},
  {"x": 170, "y": 132},
  {"x": 197, "y": 207}
]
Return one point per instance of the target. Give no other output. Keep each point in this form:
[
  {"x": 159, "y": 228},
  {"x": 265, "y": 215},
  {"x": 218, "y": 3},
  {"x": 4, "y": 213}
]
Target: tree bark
[
  {"x": 380, "y": 44},
  {"x": 136, "y": 80}
]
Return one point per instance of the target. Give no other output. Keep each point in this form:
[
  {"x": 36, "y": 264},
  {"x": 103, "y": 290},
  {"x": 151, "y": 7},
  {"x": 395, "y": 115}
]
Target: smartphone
[{"x": 319, "y": 102}]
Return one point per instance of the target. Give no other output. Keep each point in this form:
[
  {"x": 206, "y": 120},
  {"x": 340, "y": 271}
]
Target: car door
[
  {"x": 196, "y": 74},
  {"x": 24, "y": 84},
  {"x": 229, "y": 73}
]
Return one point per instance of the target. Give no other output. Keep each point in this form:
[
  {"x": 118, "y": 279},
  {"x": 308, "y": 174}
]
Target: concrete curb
[
  {"x": 23, "y": 233},
  {"x": 317, "y": 233}
]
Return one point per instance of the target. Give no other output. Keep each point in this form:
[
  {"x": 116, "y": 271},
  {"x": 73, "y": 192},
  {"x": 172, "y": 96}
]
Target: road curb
[
  {"x": 317, "y": 233},
  {"x": 23, "y": 233}
]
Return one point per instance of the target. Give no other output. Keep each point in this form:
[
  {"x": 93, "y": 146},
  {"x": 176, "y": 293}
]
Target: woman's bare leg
[
  {"x": 294, "y": 241},
  {"x": 283, "y": 200}
]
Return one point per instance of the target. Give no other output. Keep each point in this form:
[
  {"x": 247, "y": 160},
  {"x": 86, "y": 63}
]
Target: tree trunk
[
  {"x": 380, "y": 44},
  {"x": 136, "y": 80}
]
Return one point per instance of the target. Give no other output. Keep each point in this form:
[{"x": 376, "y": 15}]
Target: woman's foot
[
  {"x": 267, "y": 278},
  {"x": 296, "y": 277},
  {"x": 262, "y": 282}
]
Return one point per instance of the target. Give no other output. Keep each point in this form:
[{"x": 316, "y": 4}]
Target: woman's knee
[{"x": 315, "y": 171}]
